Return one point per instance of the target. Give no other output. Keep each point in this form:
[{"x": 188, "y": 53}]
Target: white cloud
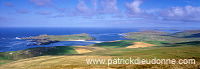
[
  {"x": 94, "y": 3},
  {"x": 109, "y": 6},
  {"x": 187, "y": 13},
  {"x": 134, "y": 11},
  {"x": 41, "y": 2},
  {"x": 23, "y": 11},
  {"x": 82, "y": 7},
  {"x": 133, "y": 7},
  {"x": 43, "y": 12},
  {"x": 9, "y": 4}
]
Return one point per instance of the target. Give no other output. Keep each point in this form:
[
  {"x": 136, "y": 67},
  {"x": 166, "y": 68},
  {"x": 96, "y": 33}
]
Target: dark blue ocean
[{"x": 9, "y": 35}]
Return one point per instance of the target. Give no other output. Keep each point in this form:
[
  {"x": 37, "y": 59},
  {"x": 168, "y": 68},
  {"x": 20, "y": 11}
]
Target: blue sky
[{"x": 99, "y": 13}]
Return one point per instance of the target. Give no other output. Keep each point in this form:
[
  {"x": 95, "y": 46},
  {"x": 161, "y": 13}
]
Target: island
[{"x": 45, "y": 39}]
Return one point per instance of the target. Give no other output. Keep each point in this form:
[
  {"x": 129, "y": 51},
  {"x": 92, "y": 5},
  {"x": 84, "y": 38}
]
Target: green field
[
  {"x": 184, "y": 36},
  {"x": 82, "y": 36}
]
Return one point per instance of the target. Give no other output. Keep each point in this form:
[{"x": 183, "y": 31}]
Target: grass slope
[
  {"x": 6, "y": 57},
  {"x": 163, "y": 36},
  {"x": 187, "y": 34},
  {"x": 178, "y": 50},
  {"x": 125, "y": 43}
]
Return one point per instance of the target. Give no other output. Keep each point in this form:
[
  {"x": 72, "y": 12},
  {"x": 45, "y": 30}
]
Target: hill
[
  {"x": 184, "y": 36},
  {"x": 187, "y": 34}
]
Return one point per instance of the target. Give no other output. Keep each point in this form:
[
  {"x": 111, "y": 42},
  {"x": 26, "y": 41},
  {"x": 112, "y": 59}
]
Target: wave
[{"x": 17, "y": 38}]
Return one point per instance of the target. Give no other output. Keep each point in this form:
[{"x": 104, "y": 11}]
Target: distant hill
[{"x": 187, "y": 34}]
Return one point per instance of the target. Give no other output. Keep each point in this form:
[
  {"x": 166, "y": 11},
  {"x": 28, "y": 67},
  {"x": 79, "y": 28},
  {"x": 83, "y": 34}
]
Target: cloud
[
  {"x": 9, "y": 4},
  {"x": 82, "y": 10},
  {"x": 43, "y": 12},
  {"x": 109, "y": 6},
  {"x": 58, "y": 15},
  {"x": 23, "y": 11},
  {"x": 82, "y": 7},
  {"x": 133, "y": 8},
  {"x": 6, "y": 19},
  {"x": 61, "y": 9},
  {"x": 152, "y": 10},
  {"x": 41, "y": 2},
  {"x": 71, "y": 13},
  {"x": 187, "y": 13},
  {"x": 94, "y": 3},
  {"x": 118, "y": 16},
  {"x": 2, "y": 18}
]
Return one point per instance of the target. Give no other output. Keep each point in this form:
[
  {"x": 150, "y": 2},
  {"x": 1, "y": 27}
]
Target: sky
[{"x": 100, "y": 13}]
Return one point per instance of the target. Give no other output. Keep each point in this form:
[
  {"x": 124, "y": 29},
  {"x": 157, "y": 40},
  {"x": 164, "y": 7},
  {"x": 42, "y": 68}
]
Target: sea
[{"x": 9, "y": 36}]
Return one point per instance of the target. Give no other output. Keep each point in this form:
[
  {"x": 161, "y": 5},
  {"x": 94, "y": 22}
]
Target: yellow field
[
  {"x": 82, "y": 50},
  {"x": 140, "y": 44}
]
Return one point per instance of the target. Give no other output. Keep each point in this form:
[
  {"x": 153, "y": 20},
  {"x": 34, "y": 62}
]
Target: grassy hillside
[
  {"x": 6, "y": 57},
  {"x": 184, "y": 36},
  {"x": 180, "y": 50},
  {"x": 187, "y": 34},
  {"x": 125, "y": 43}
]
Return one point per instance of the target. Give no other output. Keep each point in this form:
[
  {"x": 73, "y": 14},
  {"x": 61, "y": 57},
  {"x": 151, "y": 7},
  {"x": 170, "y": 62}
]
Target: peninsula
[{"x": 48, "y": 39}]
